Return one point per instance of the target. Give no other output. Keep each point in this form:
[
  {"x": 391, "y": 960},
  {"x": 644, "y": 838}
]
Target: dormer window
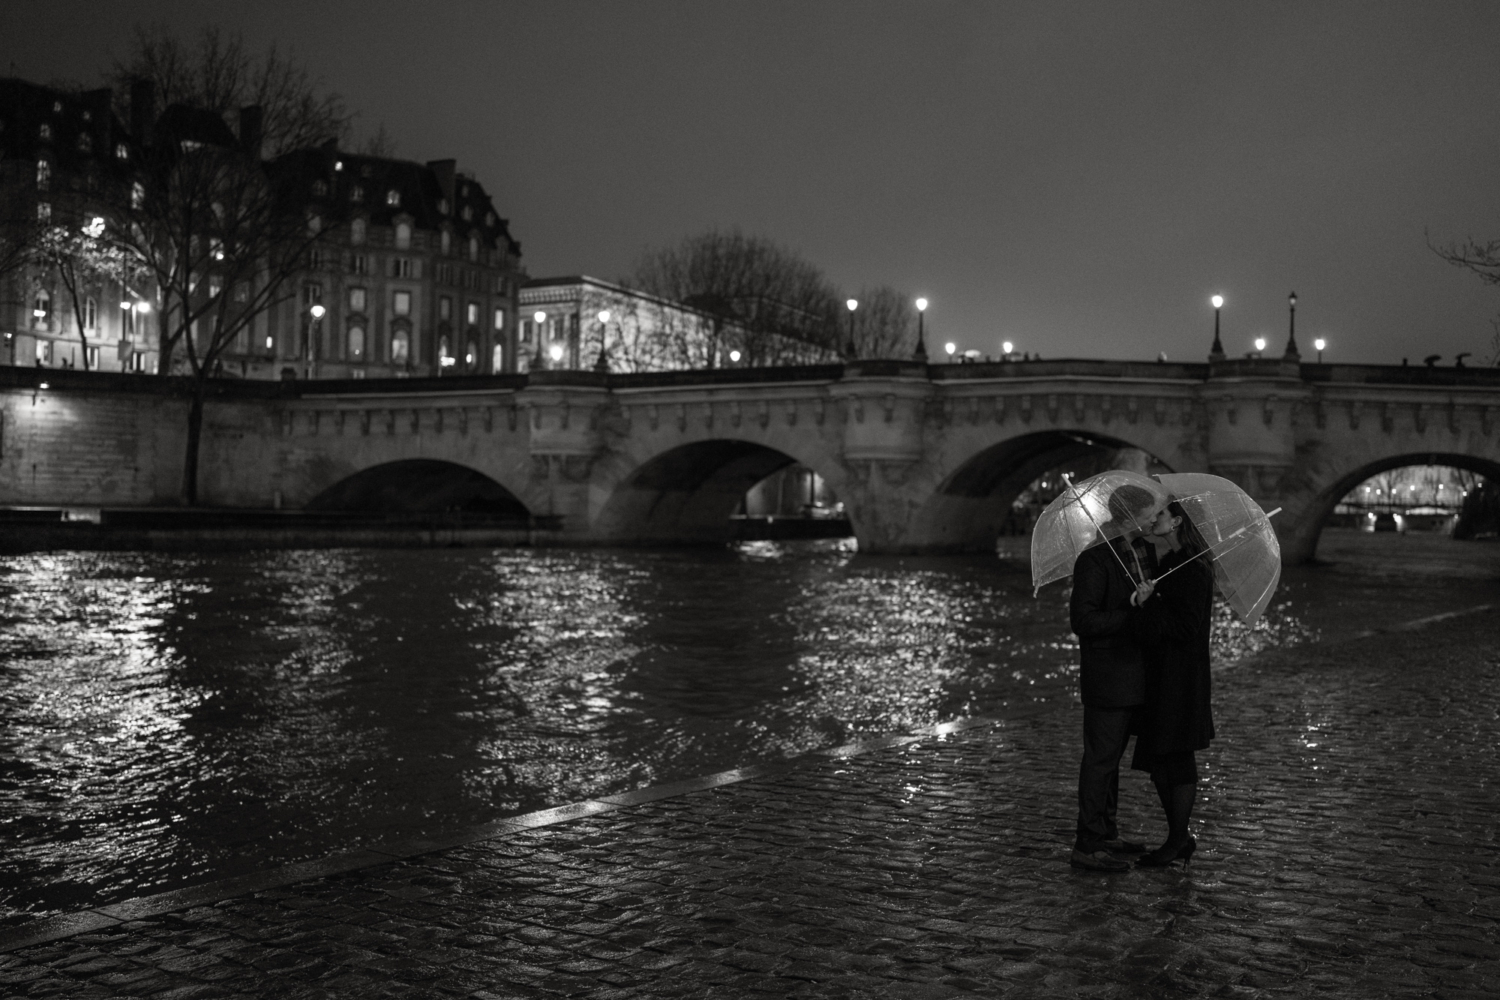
[
  {"x": 393, "y": 198},
  {"x": 468, "y": 213},
  {"x": 122, "y": 151},
  {"x": 43, "y": 175},
  {"x": 338, "y": 164},
  {"x": 357, "y": 193},
  {"x": 44, "y": 132},
  {"x": 403, "y": 235},
  {"x": 57, "y": 107},
  {"x": 474, "y": 248},
  {"x": 442, "y": 206}
]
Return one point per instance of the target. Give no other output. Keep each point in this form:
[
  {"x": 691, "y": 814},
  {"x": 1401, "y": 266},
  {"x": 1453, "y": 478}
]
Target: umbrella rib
[{"x": 1097, "y": 527}]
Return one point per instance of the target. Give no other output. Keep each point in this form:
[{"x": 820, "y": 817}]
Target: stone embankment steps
[{"x": 1347, "y": 826}]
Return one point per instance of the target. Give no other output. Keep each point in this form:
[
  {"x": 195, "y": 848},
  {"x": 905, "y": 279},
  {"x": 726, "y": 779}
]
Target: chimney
[
  {"x": 445, "y": 170},
  {"x": 252, "y": 121},
  {"x": 142, "y": 109}
]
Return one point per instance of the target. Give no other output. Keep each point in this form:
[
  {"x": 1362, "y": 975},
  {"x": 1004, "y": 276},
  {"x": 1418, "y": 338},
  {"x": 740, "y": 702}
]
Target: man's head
[{"x": 1131, "y": 510}]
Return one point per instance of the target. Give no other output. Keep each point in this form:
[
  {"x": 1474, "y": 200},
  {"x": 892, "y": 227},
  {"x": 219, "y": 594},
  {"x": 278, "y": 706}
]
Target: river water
[{"x": 167, "y": 719}]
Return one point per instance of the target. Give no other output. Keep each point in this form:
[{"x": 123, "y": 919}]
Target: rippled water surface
[{"x": 168, "y": 719}]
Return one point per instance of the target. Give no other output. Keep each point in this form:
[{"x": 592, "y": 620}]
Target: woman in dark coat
[{"x": 1176, "y": 720}]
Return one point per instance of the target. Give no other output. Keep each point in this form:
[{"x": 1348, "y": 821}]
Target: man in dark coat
[{"x": 1112, "y": 674}]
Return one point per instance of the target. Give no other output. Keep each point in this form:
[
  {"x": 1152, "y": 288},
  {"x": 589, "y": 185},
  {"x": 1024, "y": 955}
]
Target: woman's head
[{"x": 1173, "y": 521}]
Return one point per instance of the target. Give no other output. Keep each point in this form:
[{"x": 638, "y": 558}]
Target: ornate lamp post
[
  {"x": 920, "y": 354},
  {"x": 1292, "y": 354},
  {"x": 538, "y": 318},
  {"x": 1318, "y": 345},
  {"x": 950, "y": 347},
  {"x": 1216, "y": 353},
  {"x": 849, "y": 349},
  {"x": 310, "y": 352}
]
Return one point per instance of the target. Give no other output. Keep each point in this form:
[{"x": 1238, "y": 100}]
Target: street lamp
[
  {"x": 539, "y": 317},
  {"x": 1292, "y": 354},
  {"x": 310, "y": 342},
  {"x": 1008, "y": 348},
  {"x": 734, "y": 356},
  {"x": 1216, "y": 353},
  {"x": 849, "y": 349},
  {"x": 920, "y": 354},
  {"x": 602, "y": 365},
  {"x": 1260, "y": 345},
  {"x": 1318, "y": 345},
  {"x": 950, "y": 347}
]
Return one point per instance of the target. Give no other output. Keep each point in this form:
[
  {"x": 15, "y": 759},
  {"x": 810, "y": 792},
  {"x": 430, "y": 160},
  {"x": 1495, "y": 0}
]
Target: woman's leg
[{"x": 1175, "y": 776}]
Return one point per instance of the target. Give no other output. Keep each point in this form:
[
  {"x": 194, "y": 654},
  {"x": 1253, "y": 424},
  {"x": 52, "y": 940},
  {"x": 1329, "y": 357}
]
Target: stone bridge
[{"x": 925, "y": 458}]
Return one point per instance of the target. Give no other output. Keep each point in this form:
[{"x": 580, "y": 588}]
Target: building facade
[
  {"x": 63, "y": 157},
  {"x": 416, "y": 275},
  {"x": 573, "y": 321}
]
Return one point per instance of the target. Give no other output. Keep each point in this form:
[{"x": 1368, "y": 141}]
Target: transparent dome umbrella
[
  {"x": 1095, "y": 510},
  {"x": 1242, "y": 545}
]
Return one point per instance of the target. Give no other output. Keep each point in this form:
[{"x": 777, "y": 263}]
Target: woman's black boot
[{"x": 1178, "y": 802}]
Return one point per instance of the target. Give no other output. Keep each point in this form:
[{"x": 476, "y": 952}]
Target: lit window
[
  {"x": 400, "y": 346},
  {"x": 338, "y": 164},
  {"x": 122, "y": 151},
  {"x": 357, "y": 194},
  {"x": 472, "y": 313},
  {"x": 43, "y": 175},
  {"x": 442, "y": 206},
  {"x": 401, "y": 267},
  {"x": 393, "y": 198},
  {"x": 90, "y": 315},
  {"x": 445, "y": 357},
  {"x": 315, "y": 224},
  {"x": 87, "y": 116},
  {"x": 471, "y": 356},
  {"x": 357, "y": 300},
  {"x": 356, "y": 343},
  {"x": 445, "y": 308},
  {"x": 403, "y": 236},
  {"x": 360, "y": 263},
  {"x": 85, "y": 142},
  {"x": 137, "y": 195},
  {"x": 445, "y": 241},
  {"x": 499, "y": 319},
  {"x": 468, "y": 213},
  {"x": 43, "y": 211},
  {"x": 497, "y": 359},
  {"x": 57, "y": 107},
  {"x": 41, "y": 308},
  {"x": 401, "y": 304},
  {"x": 44, "y": 132},
  {"x": 474, "y": 248},
  {"x": 94, "y": 358},
  {"x": 357, "y": 232},
  {"x": 242, "y": 292}
]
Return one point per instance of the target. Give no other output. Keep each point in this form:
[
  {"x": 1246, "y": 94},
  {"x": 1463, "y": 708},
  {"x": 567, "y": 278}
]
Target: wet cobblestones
[{"x": 1347, "y": 835}]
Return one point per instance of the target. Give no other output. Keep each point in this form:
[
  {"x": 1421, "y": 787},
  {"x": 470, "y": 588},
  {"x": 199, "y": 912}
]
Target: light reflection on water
[{"x": 173, "y": 718}]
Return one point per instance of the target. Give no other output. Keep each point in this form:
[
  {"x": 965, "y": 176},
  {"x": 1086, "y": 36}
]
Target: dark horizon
[{"x": 1078, "y": 182}]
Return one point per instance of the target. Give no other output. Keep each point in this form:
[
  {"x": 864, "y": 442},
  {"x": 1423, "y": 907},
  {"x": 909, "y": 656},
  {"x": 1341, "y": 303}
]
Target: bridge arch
[
  {"x": 1320, "y": 504},
  {"x": 420, "y": 486},
  {"x": 686, "y": 494},
  {"x": 967, "y": 511}
]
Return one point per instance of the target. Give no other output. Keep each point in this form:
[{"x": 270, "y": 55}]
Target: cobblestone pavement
[{"x": 1347, "y": 849}]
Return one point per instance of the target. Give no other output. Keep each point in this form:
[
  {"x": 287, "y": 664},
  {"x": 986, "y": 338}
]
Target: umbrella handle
[
  {"x": 1069, "y": 483},
  {"x": 1210, "y": 549}
]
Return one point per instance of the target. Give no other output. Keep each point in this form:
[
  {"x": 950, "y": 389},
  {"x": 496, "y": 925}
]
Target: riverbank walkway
[{"x": 1348, "y": 848}]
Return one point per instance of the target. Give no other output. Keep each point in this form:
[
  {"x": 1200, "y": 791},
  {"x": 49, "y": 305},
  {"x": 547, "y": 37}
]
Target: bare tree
[
  {"x": 219, "y": 230},
  {"x": 84, "y": 259},
  {"x": 759, "y": 298},
  {"x": 1483, "y": 258},
  {"x": 884, "y": 325}
]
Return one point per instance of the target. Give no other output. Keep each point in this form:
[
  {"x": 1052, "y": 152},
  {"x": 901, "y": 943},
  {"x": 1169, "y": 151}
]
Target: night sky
[{"x": 1077, "y": 178}]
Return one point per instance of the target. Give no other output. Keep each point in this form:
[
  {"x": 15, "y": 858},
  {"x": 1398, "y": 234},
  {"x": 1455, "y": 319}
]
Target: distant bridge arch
[{"x": 420, "y": 486}]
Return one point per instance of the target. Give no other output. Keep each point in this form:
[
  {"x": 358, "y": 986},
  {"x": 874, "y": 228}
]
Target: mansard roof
[
  {"x": 26, "y": 107},
  {"x": 432, "y": 195}
]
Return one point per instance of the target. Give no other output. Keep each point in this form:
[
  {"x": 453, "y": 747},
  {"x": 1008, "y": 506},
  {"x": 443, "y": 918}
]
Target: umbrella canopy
[
  {"x": 1095, "y": 510},
  {"x": 1243, "y": 549}
]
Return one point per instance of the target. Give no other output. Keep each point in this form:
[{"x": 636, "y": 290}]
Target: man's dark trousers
[
  {"x": 1105, "y": 733},
  {"x": 1112, "y": 681}
]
